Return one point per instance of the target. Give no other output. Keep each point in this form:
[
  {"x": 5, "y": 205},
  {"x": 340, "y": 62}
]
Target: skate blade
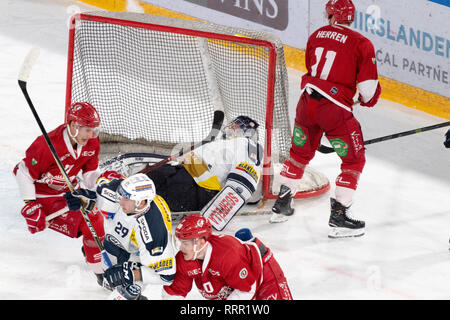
[
  {"x": 277, "y": 218},
  {"x": 345, "y": 233}
]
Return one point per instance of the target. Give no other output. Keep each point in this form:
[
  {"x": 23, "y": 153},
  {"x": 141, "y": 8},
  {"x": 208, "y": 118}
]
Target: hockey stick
[
  {"x": 23, "y": 78},
  {"x": 325, "y": 149},
  {"x": 217, "y": 124}
]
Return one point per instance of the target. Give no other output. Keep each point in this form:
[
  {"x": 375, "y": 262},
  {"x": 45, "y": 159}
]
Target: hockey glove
[
  {"x": 447, "y": 139},
  {"x": 82, "y": 197},
  {"x": 121, "y": 274},
  {"x": 131, "y": 292},
  {"x": 372, "y": 101},
  {"x": 34, "y": 216}
]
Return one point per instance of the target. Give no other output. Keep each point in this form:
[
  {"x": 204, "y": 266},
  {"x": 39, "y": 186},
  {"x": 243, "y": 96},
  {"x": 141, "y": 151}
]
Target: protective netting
[{"x": 157, "y": 80}]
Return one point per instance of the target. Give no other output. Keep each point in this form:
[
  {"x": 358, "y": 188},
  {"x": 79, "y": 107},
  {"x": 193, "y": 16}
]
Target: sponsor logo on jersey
[
  {"x": 243, "y": 273},
  {"x": 33, "y": 162},
  {"x": 57, "y": 182},
  {"x": 161, "y": 265},
  {"x": 64, "y": 157},
  {"x": 114, "y": 241},
  {"x": 88, "y": 153},
  {"x": 194, "y": 272},
  {"x": 244, "y": 166},
  {"x": 213, "y": 272},
  {"x": 157, "y": 251},
  {"x": 145, "y": 229}
]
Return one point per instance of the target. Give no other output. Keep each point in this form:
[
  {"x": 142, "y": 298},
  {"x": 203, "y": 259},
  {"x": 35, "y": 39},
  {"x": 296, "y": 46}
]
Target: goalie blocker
[{"x": 223, "y": 207}]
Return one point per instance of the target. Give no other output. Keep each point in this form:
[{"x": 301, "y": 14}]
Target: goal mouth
[{"x": 156, "y": 83}]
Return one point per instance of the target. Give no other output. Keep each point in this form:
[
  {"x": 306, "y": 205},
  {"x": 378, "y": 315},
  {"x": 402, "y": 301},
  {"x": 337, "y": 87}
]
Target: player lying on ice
[
  {"x": 224, "y": 267},
  {"x": 226, "y": 168},
  {"x": 138, "y": 233},
  {"x": 41, "y": 184}
]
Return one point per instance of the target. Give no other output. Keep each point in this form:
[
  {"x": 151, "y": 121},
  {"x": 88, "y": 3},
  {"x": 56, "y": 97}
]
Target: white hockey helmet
[{"x": 138, "y": 187}]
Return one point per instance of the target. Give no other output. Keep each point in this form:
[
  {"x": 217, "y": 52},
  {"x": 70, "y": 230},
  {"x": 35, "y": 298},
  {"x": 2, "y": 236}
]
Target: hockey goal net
[{"x": 156, "y": 82}]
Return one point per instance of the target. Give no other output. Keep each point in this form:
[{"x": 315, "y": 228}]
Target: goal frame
[{"x": 272, "y": 60}]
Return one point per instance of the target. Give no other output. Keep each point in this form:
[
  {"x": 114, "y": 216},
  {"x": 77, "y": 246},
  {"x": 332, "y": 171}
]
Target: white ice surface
[{"x": 403, "y": 195}]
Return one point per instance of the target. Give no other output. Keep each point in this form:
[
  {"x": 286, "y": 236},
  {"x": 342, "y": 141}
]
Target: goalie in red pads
[
  {"x": 41, "y": 184},
  {"x": 223, "y": 267}
]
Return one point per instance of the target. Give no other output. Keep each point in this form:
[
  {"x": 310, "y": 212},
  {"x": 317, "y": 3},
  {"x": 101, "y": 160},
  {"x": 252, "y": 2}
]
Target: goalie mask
[
  {"x": 242, "y": 126},
  {"x": 139, "y": 188}
]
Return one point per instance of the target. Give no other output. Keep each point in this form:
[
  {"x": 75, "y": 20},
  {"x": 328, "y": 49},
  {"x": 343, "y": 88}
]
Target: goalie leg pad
[{"x": 223, "y": 207}]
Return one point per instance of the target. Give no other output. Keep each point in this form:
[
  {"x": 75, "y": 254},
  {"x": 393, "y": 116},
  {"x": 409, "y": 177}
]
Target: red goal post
[{"x": 157, "y": 81}]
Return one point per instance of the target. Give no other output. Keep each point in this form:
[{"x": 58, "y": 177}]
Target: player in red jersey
[
  {"x": 224, "y": 267},
  {"x": 339, "y": 61},
  {"x": 42, "y": 185}
]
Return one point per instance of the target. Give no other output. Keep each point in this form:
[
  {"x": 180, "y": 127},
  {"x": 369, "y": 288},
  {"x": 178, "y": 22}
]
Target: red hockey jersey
[
  {"x": 229, "y": 265},
  {"x": 340, "y": 60},
  {"x": 39, "y": 166}
]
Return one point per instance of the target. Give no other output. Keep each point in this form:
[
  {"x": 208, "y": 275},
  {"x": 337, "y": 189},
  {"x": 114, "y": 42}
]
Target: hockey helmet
[
  {"x": 192, "y": 227},
  {"x": 138, "y": 187},
  {"x": 241, "y": 126},
  {"x": 84, "y": 114},
  {"x": 342, "y": 10}
]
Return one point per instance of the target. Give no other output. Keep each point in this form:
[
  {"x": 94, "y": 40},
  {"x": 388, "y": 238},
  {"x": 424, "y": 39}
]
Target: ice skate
[
  {"x": 282, "y": 207},
  {"x": 342, "y": 223}
]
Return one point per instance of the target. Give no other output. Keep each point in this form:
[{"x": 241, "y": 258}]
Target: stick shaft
[
  {"x": 28, "y": 63},
  {"x": 325, "y": 149},
  {"x": 217, "y": 124}
]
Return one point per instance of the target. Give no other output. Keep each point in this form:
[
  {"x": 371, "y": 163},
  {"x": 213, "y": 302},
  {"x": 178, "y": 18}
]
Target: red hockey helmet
[
  {"x": 342, "y": 10},
  {"x": 193, "y": 226},
  {"x": 84, "y": 114}
]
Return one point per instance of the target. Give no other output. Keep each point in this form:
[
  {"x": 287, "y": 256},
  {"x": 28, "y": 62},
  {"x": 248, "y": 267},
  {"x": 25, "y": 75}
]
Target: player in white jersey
[
  {"x": 138, "y": 233},
  {"x": 217, "y": 178}
]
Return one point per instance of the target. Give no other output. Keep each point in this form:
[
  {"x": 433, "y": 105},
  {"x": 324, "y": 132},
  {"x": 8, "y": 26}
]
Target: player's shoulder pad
[
  {"x": 154, "y": 226},
  {"x": 109, "y": 190}
]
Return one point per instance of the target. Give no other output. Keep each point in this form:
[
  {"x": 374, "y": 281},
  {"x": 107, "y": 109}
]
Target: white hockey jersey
[
  {"x": 145, "y": 238},
  {"x": 219, "y": 162}
]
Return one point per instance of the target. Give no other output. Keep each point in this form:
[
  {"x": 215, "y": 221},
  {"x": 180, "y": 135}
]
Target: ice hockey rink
[{"x": 403, "y": 195}]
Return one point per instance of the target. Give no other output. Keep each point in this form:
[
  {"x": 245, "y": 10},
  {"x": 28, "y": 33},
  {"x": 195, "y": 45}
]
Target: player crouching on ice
[
  {"x": 225, "y": 170},
  {"x": 224, "y": 267},
  {"x": 138, "y": 233},
  {"x": 42, "y": 186}
]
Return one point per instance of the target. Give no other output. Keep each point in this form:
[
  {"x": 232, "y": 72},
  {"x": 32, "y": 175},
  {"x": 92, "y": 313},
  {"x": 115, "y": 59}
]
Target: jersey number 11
[{"x": 329, "y": 59}]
